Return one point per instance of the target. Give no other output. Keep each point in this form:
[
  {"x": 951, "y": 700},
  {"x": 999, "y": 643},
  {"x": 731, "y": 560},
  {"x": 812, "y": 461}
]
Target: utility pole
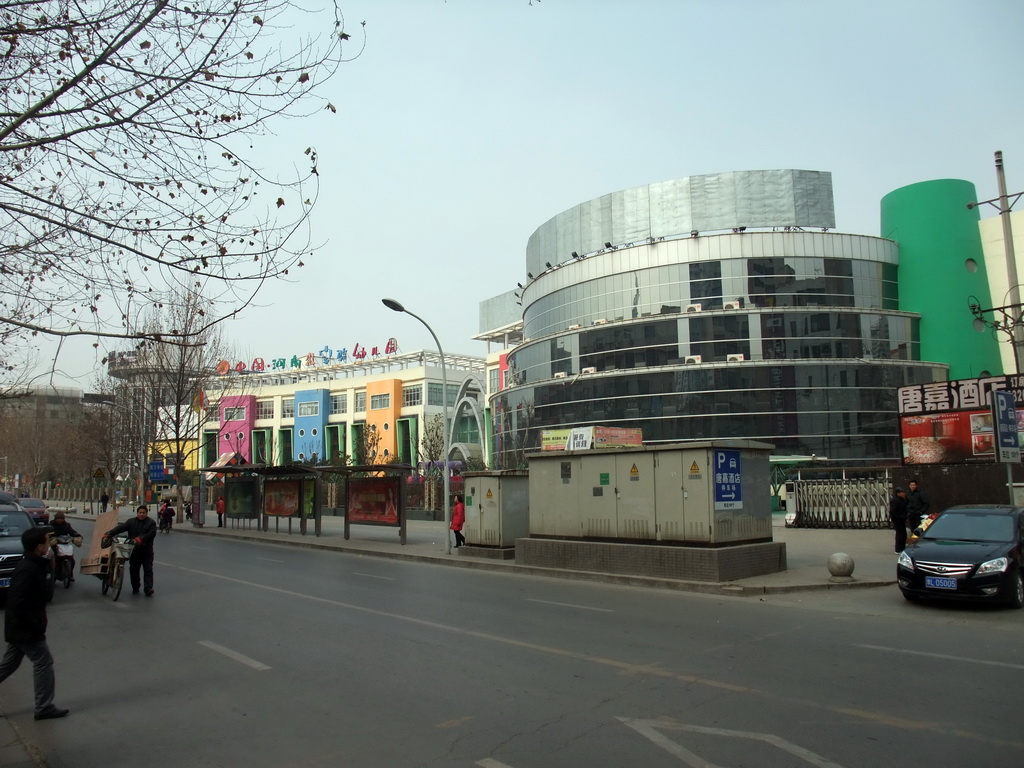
[{"x": 1012, "y": 321}]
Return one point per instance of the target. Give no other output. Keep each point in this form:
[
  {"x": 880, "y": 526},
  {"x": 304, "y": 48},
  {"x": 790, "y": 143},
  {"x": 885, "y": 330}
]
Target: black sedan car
[
  {"x": 13, "y": 522},
  {"x": 970, "y": 552}
]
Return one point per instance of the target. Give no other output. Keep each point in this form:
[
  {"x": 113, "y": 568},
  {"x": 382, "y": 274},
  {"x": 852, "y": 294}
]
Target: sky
[{"x": 467, "y": 124}]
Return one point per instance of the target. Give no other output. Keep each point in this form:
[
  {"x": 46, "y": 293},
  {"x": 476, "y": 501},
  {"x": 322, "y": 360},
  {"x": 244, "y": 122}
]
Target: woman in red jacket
[{"x": 458, "y": 518}]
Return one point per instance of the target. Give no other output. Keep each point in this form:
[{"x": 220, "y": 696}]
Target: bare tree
[
  {"x": 166, "y": 384},
  {"x": 432, "y": 451},
  {"x": 127, "y": 163}
]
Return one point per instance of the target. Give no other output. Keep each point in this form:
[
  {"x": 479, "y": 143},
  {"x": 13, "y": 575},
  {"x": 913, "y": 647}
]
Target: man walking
[
  {"x": 25, "y": 621},
  {"x": 142, "y": 530},
  {"x": 104, "y": 500},
  {"x": 220, "y": 512}
]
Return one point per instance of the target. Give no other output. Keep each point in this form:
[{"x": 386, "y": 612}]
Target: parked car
[
  {"x": 13, "y": 522},
  {"x": 38, "y": 508},
  {"x": 969, "y": 552}
]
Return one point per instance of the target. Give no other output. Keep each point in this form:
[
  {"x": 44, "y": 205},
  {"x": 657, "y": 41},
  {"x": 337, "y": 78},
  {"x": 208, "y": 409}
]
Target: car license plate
[
  {"x": 936, "y": 582},
  {"x": 5, "y": 582}
]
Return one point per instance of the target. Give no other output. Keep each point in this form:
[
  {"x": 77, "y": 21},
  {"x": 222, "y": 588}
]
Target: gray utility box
[
  {"x": 497, "y": 507},
  {"x": 703, "y": 493}
]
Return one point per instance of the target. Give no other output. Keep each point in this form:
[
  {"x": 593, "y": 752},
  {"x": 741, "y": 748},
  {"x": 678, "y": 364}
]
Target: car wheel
[{"x": 1016, "y": 597}]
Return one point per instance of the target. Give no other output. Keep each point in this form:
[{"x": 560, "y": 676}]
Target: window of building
[
  {"x": 288, "y": 409},
  {"x": 309, "y": 408},
  {"x": 434, "y": 394},
  {"x": 412, "y": 396},
  {"x": 264, "y": 409},
  {"x": 492, "y": 380},
  {"x": 361, "y": 401},
  {"x": 234, "y": 413},
  {"x": 339, "y": 404},
  {"x": 378, "y": 402}
]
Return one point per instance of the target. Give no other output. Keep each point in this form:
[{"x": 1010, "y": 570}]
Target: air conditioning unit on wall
[
  {"x": 737, "y": 304},
  {"x": 561, "y": 375},
  {"x": 589, "y": 370},
  {"x": 734, "y": 358},
  {"x": 692, "y": 359},
  {"x": 693, "y": 307}
]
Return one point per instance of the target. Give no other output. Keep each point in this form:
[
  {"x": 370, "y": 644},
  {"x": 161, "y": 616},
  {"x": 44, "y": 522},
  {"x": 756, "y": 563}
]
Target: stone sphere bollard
[{"x": 840, "y": 565}]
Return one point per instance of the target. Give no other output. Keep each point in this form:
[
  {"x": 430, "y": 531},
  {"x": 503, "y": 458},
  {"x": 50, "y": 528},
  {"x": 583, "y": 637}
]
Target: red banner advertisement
[{"x": 374, "y": 500}]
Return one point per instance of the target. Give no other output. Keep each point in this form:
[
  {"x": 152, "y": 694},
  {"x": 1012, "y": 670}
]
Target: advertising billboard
[{"x": 951, "y": 422}]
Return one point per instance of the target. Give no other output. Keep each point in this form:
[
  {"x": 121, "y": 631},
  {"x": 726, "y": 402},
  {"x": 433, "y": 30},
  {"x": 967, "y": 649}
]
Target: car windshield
[
  {"x": 33, "y": 503},
  {"x": 971, "y": 527},
  {"x": 13, "y": 525}
]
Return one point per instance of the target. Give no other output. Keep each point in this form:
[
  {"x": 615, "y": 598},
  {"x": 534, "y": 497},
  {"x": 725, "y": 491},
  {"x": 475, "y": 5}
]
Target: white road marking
[
  {"x": 570, "y": 605},
  {"x": 489, "y": 763},
  {"x": 943, "y": 656},
  {"x": 241, "y": 658},
  {"x": 650, "y": 728},
  {"x": 373, "y": 576}
]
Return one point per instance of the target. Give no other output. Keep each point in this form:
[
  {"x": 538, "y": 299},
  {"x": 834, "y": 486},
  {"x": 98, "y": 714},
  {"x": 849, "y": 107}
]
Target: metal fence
[{"x": 840, "y": 502}]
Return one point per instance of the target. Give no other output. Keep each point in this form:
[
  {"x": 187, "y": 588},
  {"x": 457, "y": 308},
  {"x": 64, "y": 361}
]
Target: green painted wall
[{"x": 938, "y": 239}]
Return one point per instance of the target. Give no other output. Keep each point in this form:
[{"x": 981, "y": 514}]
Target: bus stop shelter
[{"x": 290, "y": 492}]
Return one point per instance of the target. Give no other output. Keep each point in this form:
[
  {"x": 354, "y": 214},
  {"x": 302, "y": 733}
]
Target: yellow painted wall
[
  {"x": 385, "y": 419},
  {"x": 188, "y": 447}
]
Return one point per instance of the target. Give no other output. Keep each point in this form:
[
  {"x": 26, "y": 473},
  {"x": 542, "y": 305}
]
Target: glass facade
[{"x": 805, "y": 352}]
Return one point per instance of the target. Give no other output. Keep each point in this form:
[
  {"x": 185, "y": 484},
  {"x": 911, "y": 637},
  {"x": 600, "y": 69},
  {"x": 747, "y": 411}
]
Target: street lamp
[
  {"x": 397, "y": 307},
  {"x": 1009, "y": 320}
]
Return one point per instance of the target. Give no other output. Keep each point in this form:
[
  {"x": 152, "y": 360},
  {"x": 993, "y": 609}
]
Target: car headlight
[
  {"x": 905, "y": 560},
  {"x": 994, "y": 566}
]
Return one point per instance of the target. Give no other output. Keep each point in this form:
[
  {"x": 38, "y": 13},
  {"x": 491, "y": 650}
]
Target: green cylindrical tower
[{"x": 941, "y": 267}]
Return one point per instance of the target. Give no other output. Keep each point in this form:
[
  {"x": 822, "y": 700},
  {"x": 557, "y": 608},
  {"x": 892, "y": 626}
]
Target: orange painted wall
[{"x": 385, "y": 416}]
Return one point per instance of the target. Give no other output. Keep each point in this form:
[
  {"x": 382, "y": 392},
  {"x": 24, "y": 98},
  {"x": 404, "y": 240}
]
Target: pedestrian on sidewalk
[
  {"x": 458, "y": 520},
  {"x": 104, "y": 500},
  {"x": 25, "y": 621},
  {"x": 917, "y": 505},
  {"x": 220, "y": 512},
  {"x": 898, "y": 516}
]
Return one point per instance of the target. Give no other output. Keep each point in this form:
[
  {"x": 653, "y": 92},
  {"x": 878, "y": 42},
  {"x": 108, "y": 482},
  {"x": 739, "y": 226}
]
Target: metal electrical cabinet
[
  {"x": 497, "y": 507},
  {"x": 709, "y": 492}
]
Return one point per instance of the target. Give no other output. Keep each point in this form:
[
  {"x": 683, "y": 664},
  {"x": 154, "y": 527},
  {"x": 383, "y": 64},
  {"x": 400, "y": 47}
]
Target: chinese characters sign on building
[
  {"x": 950, "y": 422},
  {"x": 326, "y": 356}
]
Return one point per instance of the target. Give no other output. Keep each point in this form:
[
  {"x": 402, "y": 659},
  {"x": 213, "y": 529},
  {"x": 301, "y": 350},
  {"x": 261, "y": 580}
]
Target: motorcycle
[
  {"x": 166, "y": 515},
  {"x": 64, "y": 558}
]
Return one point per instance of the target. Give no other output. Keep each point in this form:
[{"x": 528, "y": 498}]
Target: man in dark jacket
[
  {"x": 142, "y": 530},
  {"x": 25, "y": 621},
  {"x": 898, "y": 515},
  {"x": 917, "y": 505}
]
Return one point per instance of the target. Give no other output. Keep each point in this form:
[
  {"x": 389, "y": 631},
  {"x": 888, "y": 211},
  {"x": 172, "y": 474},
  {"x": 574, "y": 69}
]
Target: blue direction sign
[
  {"x": 1004, "y": 422},
  {"x": 728, "y": 480},
  {"x": 156, "y": 471}
]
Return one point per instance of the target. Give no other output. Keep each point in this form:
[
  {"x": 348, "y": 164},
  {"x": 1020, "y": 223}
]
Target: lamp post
[
  {"x": 397, "y": 307},
  {"x": 1008, "y": 319}
]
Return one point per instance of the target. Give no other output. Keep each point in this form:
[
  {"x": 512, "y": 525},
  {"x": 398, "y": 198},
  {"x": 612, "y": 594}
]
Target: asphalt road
[{"x": 255, "y": 655}]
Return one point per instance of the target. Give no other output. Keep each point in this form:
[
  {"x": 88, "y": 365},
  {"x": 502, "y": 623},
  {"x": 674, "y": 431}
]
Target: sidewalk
[{"x": 807, "y": 553}]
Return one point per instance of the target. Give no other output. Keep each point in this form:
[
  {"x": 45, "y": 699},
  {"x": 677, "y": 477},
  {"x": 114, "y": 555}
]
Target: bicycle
[{"x": 113, "y": 577}]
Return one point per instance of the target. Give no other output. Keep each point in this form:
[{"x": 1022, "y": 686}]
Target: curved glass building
[{"x": 717, "y": 306}]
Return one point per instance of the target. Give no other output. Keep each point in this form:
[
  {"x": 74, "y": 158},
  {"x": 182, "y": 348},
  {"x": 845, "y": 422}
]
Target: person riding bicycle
[
  {"x": 61, "y": 527},
  {"x": 142, "y": 530}
]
